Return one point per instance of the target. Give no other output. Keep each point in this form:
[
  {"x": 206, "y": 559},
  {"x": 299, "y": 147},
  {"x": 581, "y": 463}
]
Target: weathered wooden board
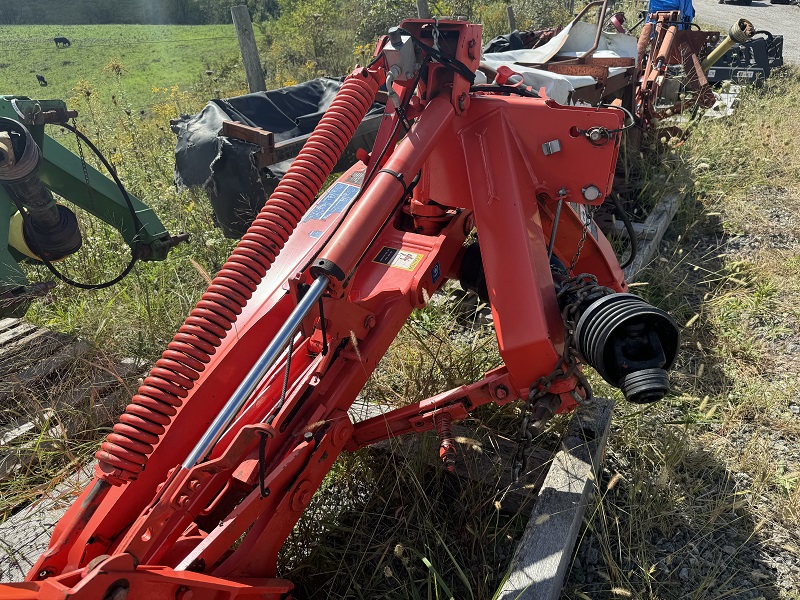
[
  {"x": 652, "y": 232},
  {"x": 545, "y": 550},
  {"x": 26, "y": 534},
  {"x": 41, "y": 404}
]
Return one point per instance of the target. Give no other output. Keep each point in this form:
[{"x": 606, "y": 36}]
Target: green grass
[
  {"x": 152, "y": 56},
  {"x": 705, "y": 469}
]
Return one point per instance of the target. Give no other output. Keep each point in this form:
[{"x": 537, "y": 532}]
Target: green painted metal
[{"x": 62, "y": 172}]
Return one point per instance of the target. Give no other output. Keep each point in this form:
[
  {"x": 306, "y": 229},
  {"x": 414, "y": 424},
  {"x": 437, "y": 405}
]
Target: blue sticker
[
  {"x": 334, "y": 201},
  {"x": 315, "y": 234},
  {"x": 436, "y": 271}
]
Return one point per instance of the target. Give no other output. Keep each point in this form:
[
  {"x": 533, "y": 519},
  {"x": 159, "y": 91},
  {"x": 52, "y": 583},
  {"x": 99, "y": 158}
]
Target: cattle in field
[
  {"x": 62, "y": 42},
  {"x": 42, "y": 81}
]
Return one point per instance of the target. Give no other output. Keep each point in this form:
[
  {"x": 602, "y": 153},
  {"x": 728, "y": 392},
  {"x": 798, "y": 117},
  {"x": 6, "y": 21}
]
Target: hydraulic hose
[{"x": 125, "y": 451}]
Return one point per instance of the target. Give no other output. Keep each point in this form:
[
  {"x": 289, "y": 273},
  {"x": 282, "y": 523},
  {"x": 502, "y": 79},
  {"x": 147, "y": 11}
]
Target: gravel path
[{"x": 775, "y": 18}]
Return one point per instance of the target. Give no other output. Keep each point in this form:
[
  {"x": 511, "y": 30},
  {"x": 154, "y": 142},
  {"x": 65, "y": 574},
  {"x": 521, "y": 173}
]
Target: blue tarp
[{"x": 685, "y": 6}]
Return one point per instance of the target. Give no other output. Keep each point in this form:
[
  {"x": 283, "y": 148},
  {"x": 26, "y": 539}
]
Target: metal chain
[
  {"x": 541, "y": 404},
  {"x": 584, "y": 231},
  {"x": 83, "y": 164}
]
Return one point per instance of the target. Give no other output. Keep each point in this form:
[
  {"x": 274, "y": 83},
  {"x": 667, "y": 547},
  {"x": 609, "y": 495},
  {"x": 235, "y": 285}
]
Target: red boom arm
[{"x": 215, "y": 460}]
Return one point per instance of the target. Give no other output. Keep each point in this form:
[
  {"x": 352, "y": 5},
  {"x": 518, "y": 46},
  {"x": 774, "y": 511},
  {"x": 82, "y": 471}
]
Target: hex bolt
[
  {"x": 183, "y": 501},
  {"x": 369, "y": 322},
  {"x": 195, "y": 485},
  {"x": 501, "y": 392},
  {"x": 308, "y": 436},
  {"x": 302, "y": 496}
]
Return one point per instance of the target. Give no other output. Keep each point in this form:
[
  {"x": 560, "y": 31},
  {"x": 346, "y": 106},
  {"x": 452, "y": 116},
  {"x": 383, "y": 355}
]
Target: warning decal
[
  {"x": 332, "y": 202},
  {"x": 399, "y": 259}
]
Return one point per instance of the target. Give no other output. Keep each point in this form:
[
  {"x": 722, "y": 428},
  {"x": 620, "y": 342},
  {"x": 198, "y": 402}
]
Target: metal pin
[{"x": 555, "y": 226}]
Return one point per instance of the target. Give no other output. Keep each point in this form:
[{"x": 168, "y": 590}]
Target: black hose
[
  {"x": 628, "y": 227},
  {"x": 136, "y": 225},
  {"x": 504, "y": 89}
]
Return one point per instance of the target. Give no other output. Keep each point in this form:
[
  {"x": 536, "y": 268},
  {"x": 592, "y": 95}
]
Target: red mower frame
[{"x": 229, "y": 437}]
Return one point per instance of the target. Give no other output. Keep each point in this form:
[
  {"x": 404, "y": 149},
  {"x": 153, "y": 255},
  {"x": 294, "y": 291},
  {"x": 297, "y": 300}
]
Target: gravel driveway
[{"x": 775, "y": 18}]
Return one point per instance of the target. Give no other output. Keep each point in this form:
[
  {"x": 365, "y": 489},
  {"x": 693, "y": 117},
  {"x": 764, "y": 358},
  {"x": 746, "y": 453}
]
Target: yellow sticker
[{"x": 399, "y": 259}]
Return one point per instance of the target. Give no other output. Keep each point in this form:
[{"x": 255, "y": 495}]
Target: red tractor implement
[{"x": 230, "y": 435}]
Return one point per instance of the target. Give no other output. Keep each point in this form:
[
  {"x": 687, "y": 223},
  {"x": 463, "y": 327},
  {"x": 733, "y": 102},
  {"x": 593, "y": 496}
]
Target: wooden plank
[
  {"x": 247, "y": 45},
  {"x": 540, "y": 562},
  {"x": 656, "y": 224},
  {"x": 15, "y": 355},
  {"x": 15, "y": 332},
  {"x": 642, "y": 231},
  {"x": 248, "y": 133},
  {"x": 275, "y": 152},
  {"x": 100, "y": 413},
  {"x": 25, "y": 535},
  {"x": 290, "y": 148},
  {"x": 52, "y": 363},
  {"x": 7, "y": 323},
  {"x": 16, "y": 457}
]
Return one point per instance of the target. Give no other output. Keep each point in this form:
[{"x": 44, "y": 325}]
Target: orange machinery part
[{"x": 480, "y": 158}]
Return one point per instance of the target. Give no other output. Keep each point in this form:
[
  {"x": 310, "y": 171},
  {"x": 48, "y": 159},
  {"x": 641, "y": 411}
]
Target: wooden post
[
  {"x": 247, "y": 44},
  {"x": 512, "y": 21},
  {"x": 423, "y": 12}
]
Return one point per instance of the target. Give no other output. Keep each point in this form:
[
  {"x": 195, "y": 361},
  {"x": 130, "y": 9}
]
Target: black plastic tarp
[
  {"x": 226, "y": 168},
  {"x": 517, "y": 40}
]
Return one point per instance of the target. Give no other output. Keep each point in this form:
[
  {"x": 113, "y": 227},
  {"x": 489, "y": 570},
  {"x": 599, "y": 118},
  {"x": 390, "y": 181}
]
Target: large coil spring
[
  {"x": 447, "y": 445},
  {"x": 125, "y": 451}
]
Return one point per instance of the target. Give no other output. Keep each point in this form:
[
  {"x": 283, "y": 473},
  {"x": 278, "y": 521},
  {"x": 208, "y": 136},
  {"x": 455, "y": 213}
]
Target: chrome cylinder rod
[{"x": 257, "y": 373}]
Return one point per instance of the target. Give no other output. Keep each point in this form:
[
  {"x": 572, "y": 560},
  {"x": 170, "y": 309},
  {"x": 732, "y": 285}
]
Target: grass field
[{"x": 151, "y": 56}]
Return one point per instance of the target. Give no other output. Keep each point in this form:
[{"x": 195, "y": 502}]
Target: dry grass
[
  {"x": 705, "y": 501},
  {"x": 54, "y": 414}
]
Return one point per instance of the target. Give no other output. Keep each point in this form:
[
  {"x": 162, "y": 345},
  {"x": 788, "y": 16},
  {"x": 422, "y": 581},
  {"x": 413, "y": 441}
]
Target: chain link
[
  {"x": 435, "y": 33},
  {"x": 541, "y": 404},
  {"x": 590, "y": 210}
]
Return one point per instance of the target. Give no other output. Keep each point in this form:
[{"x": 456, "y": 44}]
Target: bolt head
[{"x": 308, "y": 436}]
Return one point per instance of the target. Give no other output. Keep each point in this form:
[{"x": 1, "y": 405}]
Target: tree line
[{"x": 149, "y": 12}]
